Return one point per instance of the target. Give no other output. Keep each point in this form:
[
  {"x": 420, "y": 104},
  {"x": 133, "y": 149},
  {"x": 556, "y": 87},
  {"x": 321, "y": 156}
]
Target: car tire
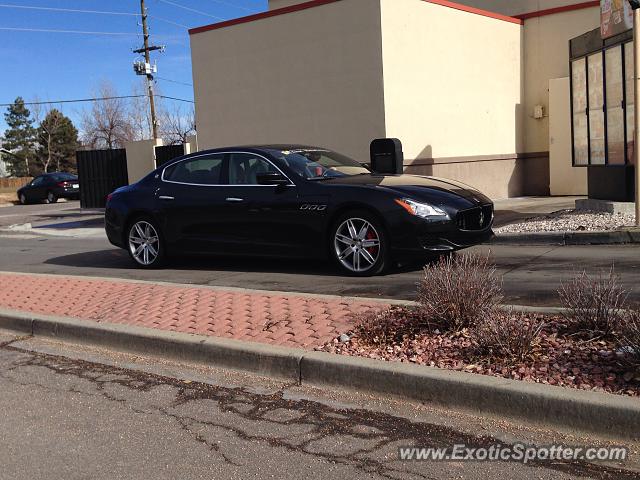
[
  {"x": 51, "y": 197},
  {"x": 359, "y": 245},
  {"x": 145, "y": 243},
  {"x": 22, "y": 199}
]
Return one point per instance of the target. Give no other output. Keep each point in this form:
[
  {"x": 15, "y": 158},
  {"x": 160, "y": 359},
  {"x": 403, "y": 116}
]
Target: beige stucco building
[{"x": 476, "y": 91}]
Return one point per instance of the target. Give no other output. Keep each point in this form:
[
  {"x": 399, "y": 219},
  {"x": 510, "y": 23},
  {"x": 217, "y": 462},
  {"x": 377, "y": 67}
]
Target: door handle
[
  {"x": 165, "y": 197},
  {"x": 235, "y": 200}
]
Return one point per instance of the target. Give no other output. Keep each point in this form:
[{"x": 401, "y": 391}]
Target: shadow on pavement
[
  {"x": 91, "y": 223},
  {"x": 118, "y": 259}
]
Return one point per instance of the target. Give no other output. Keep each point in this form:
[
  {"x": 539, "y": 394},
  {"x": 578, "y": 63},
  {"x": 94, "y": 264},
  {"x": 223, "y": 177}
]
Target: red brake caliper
[{"x": 371, "y": 236}]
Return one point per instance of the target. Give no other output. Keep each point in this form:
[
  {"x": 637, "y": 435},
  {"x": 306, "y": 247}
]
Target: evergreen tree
[
  {"x": 19, "y": 138},
  {"x": 57, "y": 143}
]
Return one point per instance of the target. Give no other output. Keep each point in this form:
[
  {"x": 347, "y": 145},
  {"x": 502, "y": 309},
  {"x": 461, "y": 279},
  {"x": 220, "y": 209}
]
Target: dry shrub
[
  {"x": 386, "y": 327},
  {"x": 459, "y": 290},
  {"x": 510, "y": 335},
  {"x": 594, "y": 304},
  {"x": 628, "y": 334}
]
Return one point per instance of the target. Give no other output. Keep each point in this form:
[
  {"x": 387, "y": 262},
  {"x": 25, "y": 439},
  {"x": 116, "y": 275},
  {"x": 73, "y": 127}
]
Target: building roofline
[
  {"x": 318, "y": 3},
  {"x": 553, "y": 11},
  {"x": 261, "y": 15},
  {"x": 476, "y": 11}
]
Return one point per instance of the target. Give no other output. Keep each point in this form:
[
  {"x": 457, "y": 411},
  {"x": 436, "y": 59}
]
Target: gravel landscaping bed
[
  {"x": 570, "y": 220},
  {"x": 559, "y": 357}
]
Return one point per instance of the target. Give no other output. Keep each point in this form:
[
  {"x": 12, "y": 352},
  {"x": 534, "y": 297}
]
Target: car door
[
  {"x": 261, "y": 219},
  {"x": 190, "y": 203},
  {"x": 36, "y": 189}
]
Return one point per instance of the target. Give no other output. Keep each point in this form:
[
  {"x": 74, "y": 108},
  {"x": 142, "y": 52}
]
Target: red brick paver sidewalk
[{"x": 289, "y": 320}]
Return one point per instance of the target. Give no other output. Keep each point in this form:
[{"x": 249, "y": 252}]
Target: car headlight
[{"x": 423, "y": 210}]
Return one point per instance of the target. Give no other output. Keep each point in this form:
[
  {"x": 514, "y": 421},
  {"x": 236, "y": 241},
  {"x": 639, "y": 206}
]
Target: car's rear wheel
[
  {"x": 145, "y": 244},
  {"x": 51, "y": 197},
  {"x": 359, "y": 244}
]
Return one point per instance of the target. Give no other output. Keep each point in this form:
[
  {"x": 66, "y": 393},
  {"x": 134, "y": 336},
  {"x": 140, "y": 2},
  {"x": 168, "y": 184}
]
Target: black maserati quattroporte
[{"x": 293, "y": 201}]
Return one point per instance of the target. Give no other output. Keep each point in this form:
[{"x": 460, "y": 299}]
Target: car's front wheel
[
  {"x": 145, "y": 244},
  {"x": 23, "y": 199},
  {"x": 359, "y": 244}
]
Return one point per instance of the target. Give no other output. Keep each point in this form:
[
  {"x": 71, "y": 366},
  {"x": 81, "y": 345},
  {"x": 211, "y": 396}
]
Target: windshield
[{"x": 317, "y": 164}]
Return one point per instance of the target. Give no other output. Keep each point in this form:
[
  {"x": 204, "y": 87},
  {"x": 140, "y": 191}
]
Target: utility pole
[
  {"x": 635, "y": 5},
  {"x": 147, "y": 69}
]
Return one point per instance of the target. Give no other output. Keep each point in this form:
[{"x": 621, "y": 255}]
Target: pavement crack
[{"x": 309, "y": 427}]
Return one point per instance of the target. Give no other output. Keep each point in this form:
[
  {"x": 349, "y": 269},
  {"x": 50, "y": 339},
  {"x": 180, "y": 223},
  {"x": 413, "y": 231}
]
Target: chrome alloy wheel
[
  {"x": 357, "y": 245},
  {"x": 144, "y": 243}
]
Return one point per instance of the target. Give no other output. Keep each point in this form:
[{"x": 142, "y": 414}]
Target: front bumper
[
  {"x": 114, "y": 227},
  {"x": 416, "y": 238}
]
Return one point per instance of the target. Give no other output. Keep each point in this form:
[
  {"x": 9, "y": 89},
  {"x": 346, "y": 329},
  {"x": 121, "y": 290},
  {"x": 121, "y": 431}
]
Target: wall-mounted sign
[{"x": 616, "y": 16}]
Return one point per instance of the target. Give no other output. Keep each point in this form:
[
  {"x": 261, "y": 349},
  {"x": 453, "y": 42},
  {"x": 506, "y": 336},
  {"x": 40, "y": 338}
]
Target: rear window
[
  {"x": 199, "y": 171},
  {"x": 61, "y": 177}
]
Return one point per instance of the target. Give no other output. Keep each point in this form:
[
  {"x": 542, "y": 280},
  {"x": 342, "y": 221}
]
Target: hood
[{"x": 430, "y": 189}]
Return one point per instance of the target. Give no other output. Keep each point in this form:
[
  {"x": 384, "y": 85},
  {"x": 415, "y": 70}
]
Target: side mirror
[{"x": 272, "y": 178}]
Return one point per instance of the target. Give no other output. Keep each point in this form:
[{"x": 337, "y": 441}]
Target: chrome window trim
[{"x": 291, "y": 183}]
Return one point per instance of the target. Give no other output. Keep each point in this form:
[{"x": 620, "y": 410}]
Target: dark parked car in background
[
  {"x": 49, "y": 187},
  {"x": 293, "y": 201}
]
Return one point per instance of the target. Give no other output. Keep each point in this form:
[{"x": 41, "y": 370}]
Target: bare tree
[
  {"x": 177, "y": 124},
  {"x": 108, "y": 123},
  {"x": 45, "y": 132},
  {"x": 140, "y": 114}
]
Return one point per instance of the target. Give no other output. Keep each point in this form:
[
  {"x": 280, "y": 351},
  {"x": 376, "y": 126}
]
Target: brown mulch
[{"x": 559, "y": 357}]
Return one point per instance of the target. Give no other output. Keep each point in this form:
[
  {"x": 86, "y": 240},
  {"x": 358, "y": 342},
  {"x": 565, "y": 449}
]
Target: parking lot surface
[{"x": 531, "y": 274}]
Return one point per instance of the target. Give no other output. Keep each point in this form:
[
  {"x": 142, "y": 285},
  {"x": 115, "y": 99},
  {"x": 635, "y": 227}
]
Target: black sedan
[
  {"x": 293, "y": 201},
  {"x": 50, "y": 187}
]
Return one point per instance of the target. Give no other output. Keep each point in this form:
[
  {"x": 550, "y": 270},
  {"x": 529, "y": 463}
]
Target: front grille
[{"x": 477, "y": 218}]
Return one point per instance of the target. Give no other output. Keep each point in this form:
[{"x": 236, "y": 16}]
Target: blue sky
[{"x": 56, "y": 66}]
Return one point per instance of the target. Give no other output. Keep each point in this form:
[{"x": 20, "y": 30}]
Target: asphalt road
[
  {"x": 531, "y": 275},
  {"x": 69, "y": 412}
]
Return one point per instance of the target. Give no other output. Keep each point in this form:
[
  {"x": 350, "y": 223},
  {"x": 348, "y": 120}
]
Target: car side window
[
  {"x": 244, "y": 168},
  {"x": 205, "y": 170},
  {"x": 37, "y": 181}
]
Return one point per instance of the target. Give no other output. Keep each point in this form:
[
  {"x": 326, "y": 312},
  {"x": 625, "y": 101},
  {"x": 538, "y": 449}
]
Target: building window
[
  {"x": 614, "y": 99},
  {"x": 580, "y": 125},
  {"x": 602, "y": 105},
  {"x": 629, "y": 100},
  {"x": 595, "y": 87}
]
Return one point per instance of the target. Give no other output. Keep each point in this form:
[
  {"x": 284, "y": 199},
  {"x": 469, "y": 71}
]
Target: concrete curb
[
  {"x": 614, "y": 237},
  {"x": 610, "y": 415}
]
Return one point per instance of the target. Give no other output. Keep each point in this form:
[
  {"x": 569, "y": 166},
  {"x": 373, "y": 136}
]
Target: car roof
[{"x": 277, "y": 146}]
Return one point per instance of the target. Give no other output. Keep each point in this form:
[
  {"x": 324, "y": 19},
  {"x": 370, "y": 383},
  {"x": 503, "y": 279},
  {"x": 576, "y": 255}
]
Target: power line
[
  {"x": 76, "y": 100},
  {"x": 100, "y": 12},
  {"x": 173, "y": 81},
  {"x": 191, "y": 9},
  {"x": 98, "y": 99},
  {"x": 50, "y": 30},
  {"x": 234, "y": 5},
  {"x": 168, "y": 21},
  {"x": 176, "y": 99},
  {"x": 72, "y": 10}
]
